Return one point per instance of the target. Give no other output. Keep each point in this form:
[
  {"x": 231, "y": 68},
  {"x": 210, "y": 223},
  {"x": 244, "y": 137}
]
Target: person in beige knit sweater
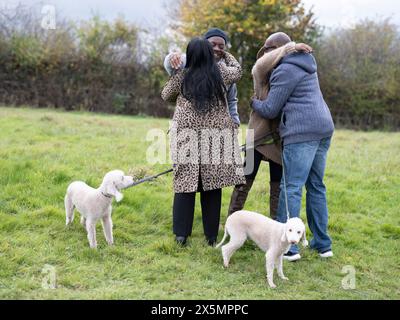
[{"x": 265, "y": 142}]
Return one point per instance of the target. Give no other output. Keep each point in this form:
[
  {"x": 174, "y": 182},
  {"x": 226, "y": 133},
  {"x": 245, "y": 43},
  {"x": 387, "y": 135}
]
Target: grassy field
[{"x": 42, "y": 151}]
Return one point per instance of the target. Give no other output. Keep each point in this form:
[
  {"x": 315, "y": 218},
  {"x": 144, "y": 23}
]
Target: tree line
[{"x": 117, "y": 67}]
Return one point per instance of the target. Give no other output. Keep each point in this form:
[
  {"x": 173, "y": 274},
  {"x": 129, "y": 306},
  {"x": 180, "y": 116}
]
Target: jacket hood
[{"x": 304, "y": 61}]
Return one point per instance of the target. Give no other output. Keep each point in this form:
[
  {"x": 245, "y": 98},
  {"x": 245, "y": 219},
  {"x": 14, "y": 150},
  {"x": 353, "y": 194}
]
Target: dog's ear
[
  {"x": 112, "y": 190},
  {"x": 304, "y": 238},
  {"x": 284, "y": 236}
]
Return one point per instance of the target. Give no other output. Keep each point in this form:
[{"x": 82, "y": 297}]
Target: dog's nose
[{"x": 293, "y": 242}]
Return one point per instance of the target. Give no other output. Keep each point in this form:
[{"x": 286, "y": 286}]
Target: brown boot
[
  {"x": 239, "y": 196},
  {"x": 274, "y": 199}
]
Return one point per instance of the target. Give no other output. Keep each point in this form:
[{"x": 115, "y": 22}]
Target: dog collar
[{"x": 106, "y": 195}]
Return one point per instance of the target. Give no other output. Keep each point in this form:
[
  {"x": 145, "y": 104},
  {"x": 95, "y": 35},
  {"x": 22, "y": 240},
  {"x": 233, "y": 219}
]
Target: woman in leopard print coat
[{"x": 204, "y": 148}]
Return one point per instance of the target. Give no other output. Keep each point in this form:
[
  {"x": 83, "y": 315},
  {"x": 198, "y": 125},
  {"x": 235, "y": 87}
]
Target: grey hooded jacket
[{"x": 295, "y": 94}]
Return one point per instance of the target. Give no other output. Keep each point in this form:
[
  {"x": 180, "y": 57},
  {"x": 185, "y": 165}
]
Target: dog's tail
[
  {"x": 69, "y": 209},
  {"x": 223, "y": 239}
]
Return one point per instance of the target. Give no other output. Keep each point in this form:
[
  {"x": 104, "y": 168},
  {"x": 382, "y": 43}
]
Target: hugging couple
[{"x": 287, "y": 102}]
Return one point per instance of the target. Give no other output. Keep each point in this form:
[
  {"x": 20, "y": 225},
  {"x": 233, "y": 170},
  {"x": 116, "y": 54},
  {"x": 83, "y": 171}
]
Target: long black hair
[{"x": 202, "y": 83}]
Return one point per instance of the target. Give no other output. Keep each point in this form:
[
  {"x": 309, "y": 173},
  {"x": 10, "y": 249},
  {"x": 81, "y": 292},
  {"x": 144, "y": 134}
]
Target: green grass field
[{"x": 42, "y": 151}]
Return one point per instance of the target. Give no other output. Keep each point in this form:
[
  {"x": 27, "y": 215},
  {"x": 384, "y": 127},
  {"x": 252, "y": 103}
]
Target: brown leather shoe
[
  {"x": 239, "y": 196},
  {"x": 274, "y": 199}
]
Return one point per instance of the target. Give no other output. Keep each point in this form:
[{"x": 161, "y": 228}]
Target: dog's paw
[
  {"x": 270, "y": 282},
  {"x": 305, "y": 243},
  {"x": 272, "y": 285},
  {"x": 285, "y": 278}
]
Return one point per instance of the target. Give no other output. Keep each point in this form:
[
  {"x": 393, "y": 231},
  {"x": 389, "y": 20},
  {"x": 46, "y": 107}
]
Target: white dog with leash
[{"x": 95, "y": 204}]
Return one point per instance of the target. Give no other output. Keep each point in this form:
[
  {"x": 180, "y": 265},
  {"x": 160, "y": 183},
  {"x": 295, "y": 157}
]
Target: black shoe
[
  {"x": 211, "y": 241},
  {"x": 181, "y": 240},
  {"x": 292, "y": 257}
]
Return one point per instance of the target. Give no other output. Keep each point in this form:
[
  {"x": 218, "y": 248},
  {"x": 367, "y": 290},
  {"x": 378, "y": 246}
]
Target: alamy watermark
[
  {"x": 207, "y": 146},
  {"x": 48, "y": 21},
  {"x": 349, "y": 281},
  {"x": 49, "y": 280}
]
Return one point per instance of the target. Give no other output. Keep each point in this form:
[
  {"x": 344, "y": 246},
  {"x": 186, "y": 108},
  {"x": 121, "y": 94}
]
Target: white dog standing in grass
[
  {"x": 272, "y": 237},
  {"x": 95, "y": 204}
]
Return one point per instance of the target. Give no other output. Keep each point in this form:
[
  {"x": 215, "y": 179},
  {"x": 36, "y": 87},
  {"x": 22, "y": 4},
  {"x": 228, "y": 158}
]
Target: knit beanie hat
[{"x": 215, "y": 32}]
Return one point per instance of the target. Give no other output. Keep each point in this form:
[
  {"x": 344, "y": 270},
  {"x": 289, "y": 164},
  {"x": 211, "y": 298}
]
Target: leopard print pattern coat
[{"x": 204, "y": 145}]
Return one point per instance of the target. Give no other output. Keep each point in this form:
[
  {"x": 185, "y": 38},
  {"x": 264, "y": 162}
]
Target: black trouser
[
  {"x": 275, "y": 169},
  {"x": 183, "y": 212}
]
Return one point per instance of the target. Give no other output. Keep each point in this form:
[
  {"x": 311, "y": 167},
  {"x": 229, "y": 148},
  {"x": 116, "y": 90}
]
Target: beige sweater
[{"x": 271, "y": 150}]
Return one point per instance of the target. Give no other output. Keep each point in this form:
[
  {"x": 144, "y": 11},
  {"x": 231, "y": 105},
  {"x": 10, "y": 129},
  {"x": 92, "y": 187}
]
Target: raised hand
[
  {"x": 303, "y": 48},
  {"x": 175, "y": 60}
]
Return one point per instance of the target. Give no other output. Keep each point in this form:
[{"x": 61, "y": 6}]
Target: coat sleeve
[
  {"x": 233, "y": 103},
  {"x": 230, "y": 69},
  {"x": 266, "y": 63},
  {"x": 172, "y": 88},
  {"x": 167, "y": 65},
  {"x": 283, "y": 82}
]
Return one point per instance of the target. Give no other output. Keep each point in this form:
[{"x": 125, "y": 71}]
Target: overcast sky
[{"x": 152, "y": 12}]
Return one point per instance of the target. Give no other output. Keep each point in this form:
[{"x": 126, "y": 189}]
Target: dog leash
[
  {"x": 149, "y": 178},
  {"x": 271, "y": 136},
  {"x": 267, "y": 139},
  {"x": 284, "y": 185}
]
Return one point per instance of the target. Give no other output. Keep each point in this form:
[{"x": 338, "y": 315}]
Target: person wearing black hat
[{"x": 219, "y": 41}]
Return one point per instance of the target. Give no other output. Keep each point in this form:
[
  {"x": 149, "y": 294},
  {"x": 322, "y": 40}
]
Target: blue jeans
[{"x": 305, "y": 166}]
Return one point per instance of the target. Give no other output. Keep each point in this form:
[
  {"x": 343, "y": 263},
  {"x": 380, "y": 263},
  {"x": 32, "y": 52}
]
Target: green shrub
[{"x": 359, "y": 69}]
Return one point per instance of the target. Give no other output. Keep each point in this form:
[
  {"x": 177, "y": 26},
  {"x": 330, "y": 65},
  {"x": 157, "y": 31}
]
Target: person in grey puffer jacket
[{"x": 306, "y": 129}]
